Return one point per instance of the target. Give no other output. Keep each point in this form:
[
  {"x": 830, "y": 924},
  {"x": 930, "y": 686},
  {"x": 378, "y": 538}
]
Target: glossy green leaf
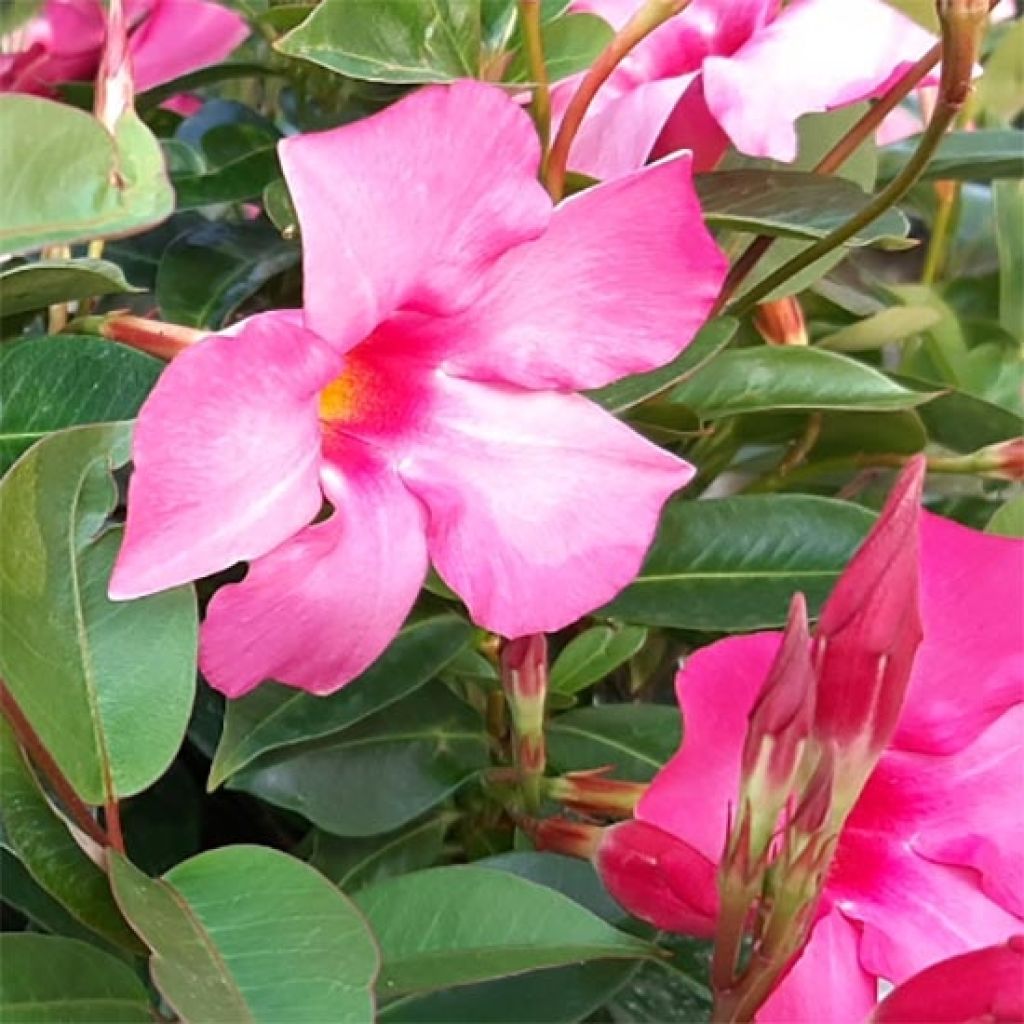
[
  {"x": 631, "y": 391},
  {"x": 733, "y": 564},
  {"x": 275, "y": 716},
  {"x": 45, "y": 979},
  {"x": 42, "y": 843},
  {"x": 404, "y": 42},
  {"x": 249, "y": 934},
  {"x": 75, "y": 183},
  {"x": 571, "y": 44},
  {"x": 636, "y": 740},
  {"x": 791, "y": 204},
  {"x": 279, "y": 208},
  {"x": 457, "y": 925},
  {"x": 67, "y": 381},
  {"x": 594, "y": 654},
  {"x": 382, "y": 773},
  {"x": 1008, "y": 520},
  {"x": 887, "y": 327},
  {"x": 206, "y": 273},
  {"x": 1008, "y": 200},
  {"x": 770, "y": 377},
  {"x": 107, "y": 686},
  {"x": 981, "y": 155},
  {"x": 41, "y": 283},
  {"x": 965, "y": 423}
]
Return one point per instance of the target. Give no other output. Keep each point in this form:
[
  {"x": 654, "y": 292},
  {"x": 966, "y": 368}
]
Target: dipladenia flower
[
  {"x": 736, "y": 71},
  {"x": 167, "y": 38},
  {"x": 930, "y": 860},
  {"x": 424, "y": 391}
]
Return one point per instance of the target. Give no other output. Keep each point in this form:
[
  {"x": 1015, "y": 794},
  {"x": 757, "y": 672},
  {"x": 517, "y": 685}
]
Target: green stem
[
  {"x": 938, "y": 244},
  {"x": 533, "y": 45}
]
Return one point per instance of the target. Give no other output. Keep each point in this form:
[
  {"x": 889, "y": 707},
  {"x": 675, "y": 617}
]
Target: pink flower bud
[
  {"x": 524, "y": 667},
  {"x": 659, "y": 878},
  {"x": 592, "y": 793},
  {"x": 115, "y": 86},
  {"x": 560, "y": 835},
  {"x": 781, "y": 322},
  {"x": 869, "y": 632},
  {"x": 1003, "y": 461},
  {"x": 985, "y": 986}
]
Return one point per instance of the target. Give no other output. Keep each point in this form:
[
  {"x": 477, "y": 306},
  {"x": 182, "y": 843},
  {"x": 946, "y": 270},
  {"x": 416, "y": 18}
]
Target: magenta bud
[
  {"x": 815, "y": 804},
  {"x": 870, "y": 629},
  {"x": 659, "y": 878},
  {"x": 524, "y": 667}
]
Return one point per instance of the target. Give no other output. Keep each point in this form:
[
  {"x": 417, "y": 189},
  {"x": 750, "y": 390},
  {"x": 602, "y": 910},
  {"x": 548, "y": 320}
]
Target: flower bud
[
  {"x": 590, "y": 792},
  {"x": 1003, "y": 461},
  {"x": 524, "y": 678},
  {"x": 659, "y": 878},
  {"x": 781, "y": 321},
  {"x": 560, "y": 835},
  {"x": 115, "y": 86}
]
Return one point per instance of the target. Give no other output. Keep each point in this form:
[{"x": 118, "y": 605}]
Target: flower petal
[
  {"x": 319, "y": 609},
  {"x": 972, "y": 604},
  {"x": 226, "y": 453},
  {"x": 618, "y": 284},
  {"x": 827, "y": 983},
  {"x": 817, "y": 55},
  {"x": 541, "y": 506},
  {"x": 406, "y": 208},
  {"x": 180, "y": 36}
]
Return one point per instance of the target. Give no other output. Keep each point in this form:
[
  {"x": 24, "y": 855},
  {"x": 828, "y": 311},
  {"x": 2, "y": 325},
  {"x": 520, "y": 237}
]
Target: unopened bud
[
  {"x": 815, "y": 804},
  {"x": 560, "y": 835},
  {"x": 591, "y": 792},
  {"x": 115, "y": 88},
  {"x": 781, "y": 322},
  {"x": 963, "y": 28},
  {"x": 1003, "y": 461},
  {"x": 524, "y": 678}
]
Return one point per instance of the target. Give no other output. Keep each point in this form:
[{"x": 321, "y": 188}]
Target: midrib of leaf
[{"x": 607, "y": 742}]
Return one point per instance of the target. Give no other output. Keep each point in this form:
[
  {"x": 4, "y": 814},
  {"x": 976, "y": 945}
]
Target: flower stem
[
  {"x": 540, "y": 102},
  {"x": 44, "y": 762},
  {"x": 643, "y": 22},
  {"x": 112, "y": 819}
]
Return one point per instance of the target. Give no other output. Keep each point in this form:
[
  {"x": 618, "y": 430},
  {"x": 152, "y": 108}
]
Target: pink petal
[
  {"x": 180, "y": 36},
  {"x": 692, "y": 126},
  {"x": 319, "y": 609},
  {"x": 970, "y": 668},
  {"x": 827, "y": 983},
  {"x": 541, "y": 506},
  {"x": 619, "y": 283},
  {"x": 817, "y": 55},
  {"x": 226, "y": 453},
  {"x": 407, "y": 208},
  {"x": 716, "y": 688}
]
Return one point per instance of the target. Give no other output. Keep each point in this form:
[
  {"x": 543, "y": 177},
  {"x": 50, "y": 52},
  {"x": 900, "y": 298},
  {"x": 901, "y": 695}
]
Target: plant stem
[
  {"x": 540, "y": 102},
  {"x": 643, "y": 22},
  {"x": 112, "y": 819},
  {"x": 44, "y": 762},
  {"x": 947, "y": 192}
]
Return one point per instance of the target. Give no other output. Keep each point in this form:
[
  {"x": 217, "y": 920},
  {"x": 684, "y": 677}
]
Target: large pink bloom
[
  {"x": 425, "y": 392},
  {"x": 931, "y": 861},
  {"x": 167, "y": 38},
  {"x": 737, "y": 71}
]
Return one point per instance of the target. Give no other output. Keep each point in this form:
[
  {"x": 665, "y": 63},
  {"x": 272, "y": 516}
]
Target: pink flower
[
  {"x": 737, "y": 71},
  {"x": 930, "y": 862},
  {"x": 167, "y": 38},
  {"x": 424, "y": 391}
]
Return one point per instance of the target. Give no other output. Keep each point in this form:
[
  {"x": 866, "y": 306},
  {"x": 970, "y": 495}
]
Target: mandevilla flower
[
  {"x": 167, "y": 38},
  {"x": 424, "y": 390},
  {"x": 929, "y": 862},
  {"x": 739, "y": 71}
]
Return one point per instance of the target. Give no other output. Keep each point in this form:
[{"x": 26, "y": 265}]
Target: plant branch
[{"x": 540, "y": 102}]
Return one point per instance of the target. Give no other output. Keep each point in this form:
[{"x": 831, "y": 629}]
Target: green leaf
[
  {"x": 631, "y": 391},
  {"x": 404, "y": 42},
  {"x": 1008, "y": 200},
  {"x": 982, "y": 155},
  {"x": 275, "y": 716},
  {"x": 1001, "y": 89},
  {"x": 635, "y": 739},
  {"x": 791, "y": 204},
  {"x": 571, "y": 44},
  {"x": 66, "y": 381},
  {"x": 75, "y": 182},
  {"x": 593, "y": 655},
  {"x": 733, "y": 564},
  {"x": 246, "y": 933},
  {"x": 1008, "y": 520},
  {"x": 42, "y": 843},
  {"x": 965, "y": 423},
  {"x": 897, "y": 323},
  {"x": 279, "y": 208},
  {"x": 45, "y": 979},
  {"x": 107, "y": 686},
  {"x": 456, "y": 925},
  {"x": 44, "y": 282},
  {"x": 14, "y": 13},
  {"x": 395, "y": 766},
  {"x": 206, "y": 273},
  {"x": 777, "y": 377}
]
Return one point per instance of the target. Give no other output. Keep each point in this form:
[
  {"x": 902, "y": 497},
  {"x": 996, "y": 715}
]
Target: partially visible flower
[
  {"x": 930, "y": 861},
  {"x": 425, "y": 392},
  {"x": 740, "y": 72},
  {"x": 985, "y": 986},
  {"x": 166, "y": 39}
]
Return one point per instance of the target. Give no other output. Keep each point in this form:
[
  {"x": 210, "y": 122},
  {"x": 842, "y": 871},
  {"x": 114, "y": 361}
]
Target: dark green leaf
[
  {"x": 107, "y": 686},
  {"x": 249, "y": 934},
  {"x": 275, "y": 716},
  {"x": 279, "y": 208},
  {"x": 374, "y": 777},
  {"x": 964, "y": 423},
  {"x": 45, "y": 979},
  {"x": 733, "y": 564},
  {"x": 66, "y": 381},
  {"x": 571, "y": 44},
  {"x": 42, "y": 283},
  {"x": 457, "y": 925},
  {"x": 962, "y": 156},
  {"x": 75, "y": 182},
  {"x": 593, "y": 655}
]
